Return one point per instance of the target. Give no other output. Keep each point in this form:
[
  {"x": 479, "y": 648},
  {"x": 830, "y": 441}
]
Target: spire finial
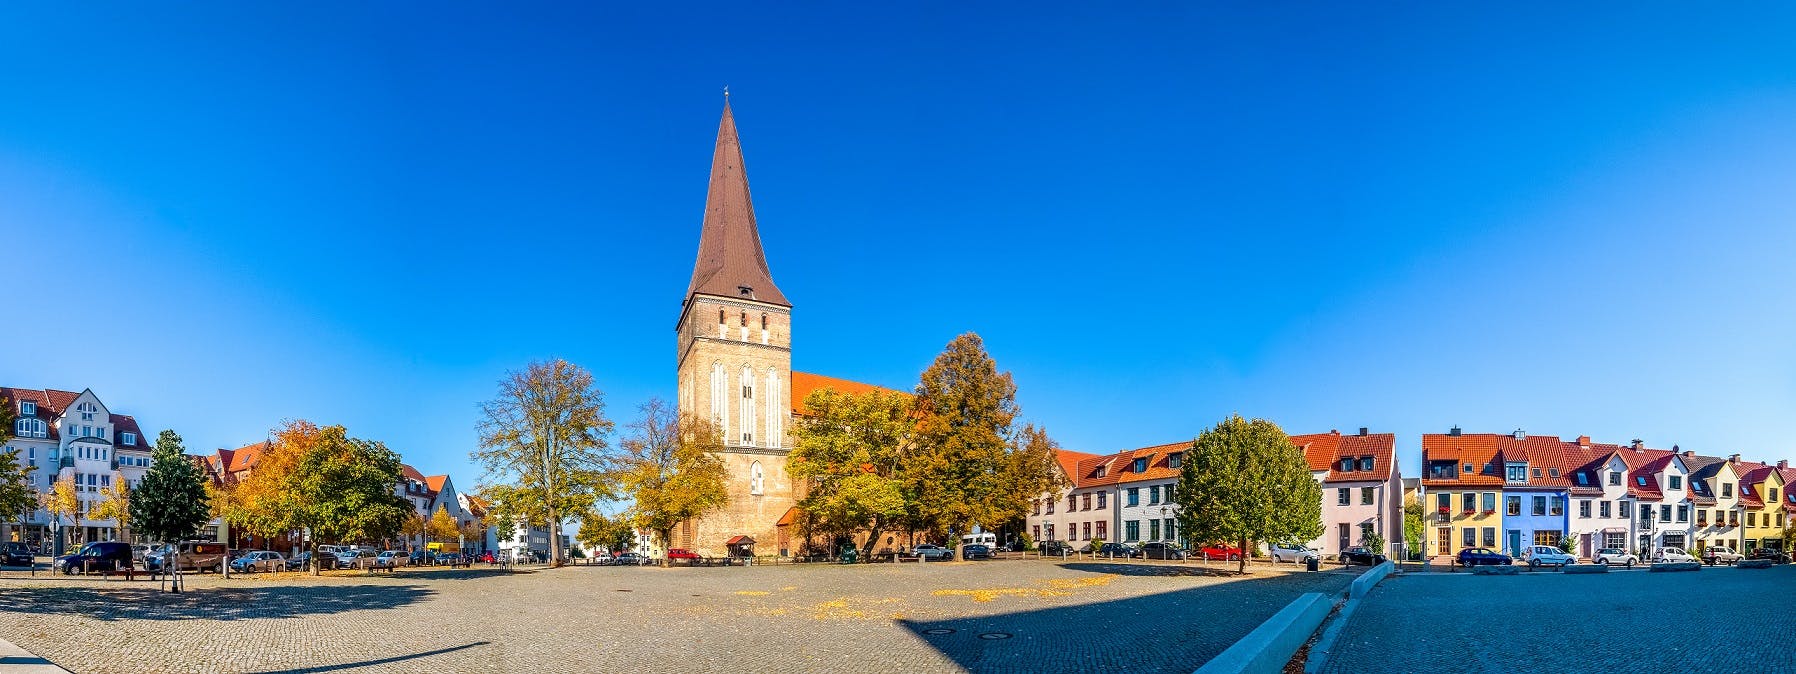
[{"x": 726, "y": 93}]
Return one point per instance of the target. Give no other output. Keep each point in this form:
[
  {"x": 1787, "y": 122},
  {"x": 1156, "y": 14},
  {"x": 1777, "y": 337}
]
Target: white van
[{"x": 986, "y": 539}]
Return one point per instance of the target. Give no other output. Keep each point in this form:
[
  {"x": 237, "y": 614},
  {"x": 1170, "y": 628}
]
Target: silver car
[
  {"x": 1607, "y": 556},
  {"x": 1292, "y": 552}
]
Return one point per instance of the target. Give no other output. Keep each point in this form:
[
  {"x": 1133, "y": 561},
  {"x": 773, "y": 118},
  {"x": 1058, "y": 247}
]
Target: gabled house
[
  {"x": 1658, "y": 481},
  {"x": 1761, "y": 499},
  {"x": 63, "y": 434},
  {"x": 1600, "y": 505},
  {"x": 1461, "y": 479},
  {"x": 1361, "y": 488},
  {"x": 1080, "y": 511},
  {"x": 1536, "y": 490}
]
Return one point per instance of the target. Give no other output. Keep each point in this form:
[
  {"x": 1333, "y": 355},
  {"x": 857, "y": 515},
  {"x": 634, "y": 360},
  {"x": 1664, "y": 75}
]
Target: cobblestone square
[
  {"x": 1622, "y": 621},
  {"x": 1005, "y": 616}
]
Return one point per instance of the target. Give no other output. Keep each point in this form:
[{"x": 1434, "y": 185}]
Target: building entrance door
[
  {"x": 1515, "y": 542},
  {"x": 1445, "y": 538},
  {"x": 1584, "y": 545}
]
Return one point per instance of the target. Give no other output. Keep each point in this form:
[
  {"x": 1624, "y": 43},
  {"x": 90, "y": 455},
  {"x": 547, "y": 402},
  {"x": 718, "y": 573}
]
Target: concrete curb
[
  {"x": 1754, "y": 564},
  {"x": 1268, "y": 647},
  {"x": 1676, "y": 566},
  {"x": 15, "y": 660},
  {"x": 1587, "y": 568},
  {"x": 1318, "y": 655},
  {"x": 1483, "y": 570}
]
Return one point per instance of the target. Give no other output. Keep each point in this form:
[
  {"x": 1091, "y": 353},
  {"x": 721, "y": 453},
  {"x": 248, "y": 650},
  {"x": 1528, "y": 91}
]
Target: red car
[
  {"x": 681, "y": 553},
  {"x": 486, "y": 558},
  {"x": 1225, "y": 552}
]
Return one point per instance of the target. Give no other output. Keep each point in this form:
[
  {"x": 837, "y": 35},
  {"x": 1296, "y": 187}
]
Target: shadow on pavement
[
  {"x": 1174, "y": 631},
  {"x": 381, "y": 661},
  {"x": 462, "y": 574},
  {"x": 150, "y": 603}
]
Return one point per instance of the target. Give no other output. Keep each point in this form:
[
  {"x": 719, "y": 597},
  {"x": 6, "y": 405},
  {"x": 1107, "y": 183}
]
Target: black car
[
  {"x": 1776, "y": 556},
  {"x": 1055, "y": 548},
  {"x": 1116, "y": 550},
  {"x": 1161, "y": 550},
  {"x": 976, "y": 551},
  {"x": 14, "y": 553},
  {"x": 100, "y": 557},
  {"x": 1361, "y": 555}
]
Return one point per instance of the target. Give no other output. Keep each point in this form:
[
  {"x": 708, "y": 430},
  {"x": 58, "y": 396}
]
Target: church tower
[{"x": 735, "y": 359}]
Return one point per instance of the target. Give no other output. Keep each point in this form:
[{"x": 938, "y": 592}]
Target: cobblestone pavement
[
  {"x": 1019, "y": 616},
  {"x": 1715, "y": 620}
]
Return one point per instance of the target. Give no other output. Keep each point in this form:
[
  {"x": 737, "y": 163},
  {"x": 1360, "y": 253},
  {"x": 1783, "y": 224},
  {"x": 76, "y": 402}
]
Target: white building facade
[{"x": 61, "y": 435}]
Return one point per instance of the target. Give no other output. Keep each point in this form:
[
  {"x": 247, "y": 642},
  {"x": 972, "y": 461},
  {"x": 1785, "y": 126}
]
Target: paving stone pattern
[
  {"x": 1012, "y": 616},
  {"x": 1540, "y": 622}
]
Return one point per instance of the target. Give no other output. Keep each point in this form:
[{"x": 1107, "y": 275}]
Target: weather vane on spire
[{"x": 726, "y": 92}]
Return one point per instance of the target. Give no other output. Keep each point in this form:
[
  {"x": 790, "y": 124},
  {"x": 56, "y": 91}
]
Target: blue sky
[{"x": 1404, "y": 218}]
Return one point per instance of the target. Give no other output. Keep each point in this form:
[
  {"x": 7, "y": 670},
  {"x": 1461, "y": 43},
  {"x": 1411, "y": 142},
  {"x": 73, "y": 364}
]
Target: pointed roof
[{"x": 729, "y": 245}]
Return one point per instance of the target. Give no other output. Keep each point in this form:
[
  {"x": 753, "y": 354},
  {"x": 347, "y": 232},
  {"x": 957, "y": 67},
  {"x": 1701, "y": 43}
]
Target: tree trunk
[
  {"x": 872, "y": 540},
  {"x": 1243, "y": 567},
  {"x": 313, "y": 560}
]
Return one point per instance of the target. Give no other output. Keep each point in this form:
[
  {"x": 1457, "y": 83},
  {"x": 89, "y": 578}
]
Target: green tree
[
  {"x": 1373, "y": 541},
  {"x": 1244, "y": 481},
  {"x": 1414, "y": 526},
  {"x": 171, "y": 503},
  {"x": 1567, "y": 544},
  {"x": 670, "y": 470},
  {"x": 848, "y": 453},
  {"x": 114, "y": 504},
  {"x": 598, "y": 531},
  {"x": 960, "y": 471},
  {"x": 544, "y": 434},
  {"x": 17, "y": 497}
]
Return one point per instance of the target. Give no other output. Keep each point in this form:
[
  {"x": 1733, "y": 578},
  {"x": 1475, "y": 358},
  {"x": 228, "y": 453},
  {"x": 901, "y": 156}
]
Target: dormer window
[
  {"x": 1101, "y": 471},
  {"x": 28, "y": 408},
  {"x": 1583, "y": 479},
  {"x": 1365, "y": 463},
  {"x": 1175, "y": 460},
  {"x": 128, "y": 438},
  {"x": 1346, "y": 465},
  {"x": 1140, "y": 465},
  {"x": 1516, "y": 473},
  {"x": 745, "y": 291}
]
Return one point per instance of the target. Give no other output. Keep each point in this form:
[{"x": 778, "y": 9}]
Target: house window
[
  {"x": 1727, "y": 490},
  {"x": 1153, "y": 495},
  {"x": 1168, "y": 490},
  {"x": 1677, "y": 482},
  {"x": 1468, "y": 469},
  {"x": 1540, "y": 505},
  {"x": 1490, "y": 501},
  {"x": 1088, "y": 531},
  {"x": 129, "y": 438},
  {"x": 1552, "y": 472},
  {"x": 27, "y": 408},
  {"x": 1548, "y": 538},
  {"x": 1346, "y": 465},
  {"x": 1558, "y": 507},
  {"x": 1365, "y": 463},
  {"x": 1103, "y": 529},
  {"x": 1365, "y": 529},
  {"x": 1175, "y": 460},
  {"x": 1365, "y": 496},
  {"x": 1512, "y": 505},
  {"x": 1490, "y": 537},
  {"x": 1072, "y": 502},
  {"x": 1470, "y": 537},
  {"x": 1140, "y": 465},
  {"x": 1602, "y": 508},
  {"x": 1583, "y": 479},
  {"x": 1134, "y": 496},
  {"x": 1102, "y": 471},
  {"x": 1536, "y": 473},
  {"x": 1050, "y": 503},
  {"x": 1101, "y": 504},
  {"x": 1752, "y": 519},
  {"x": 1516, "y": 473},
  {"x": 1470, "y": 501},
  {"x": 1615, "y": 478},
  {"x": 1584, "y": 508},
  {"x": 1035, "y": 532},
  {"x": 1772, "y": 492},
  {"x": 1086, "y": 501},
  {"x": 1640, "y": 480},
  {"x": 1035, "y": 509},
  {"x": 1343, "y": 496},
  {"x": 1665, "y": 513},
  {"x": 1153, "y": 530},
  {"x": 1132, "y": 531},
  {"x": 1624, "y": 509},
  {"x": 720, "y": 319},
  {"x": 1444, "y": 501},
  {"x": 1683, "y": 513}
]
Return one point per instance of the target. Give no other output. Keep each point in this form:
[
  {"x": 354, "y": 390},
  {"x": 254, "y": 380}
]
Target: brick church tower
[{"x": 735, "y": 360}]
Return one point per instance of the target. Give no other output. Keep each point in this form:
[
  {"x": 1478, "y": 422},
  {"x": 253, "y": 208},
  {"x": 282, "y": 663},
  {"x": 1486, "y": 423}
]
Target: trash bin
[{"x": 1312, "y": 563}]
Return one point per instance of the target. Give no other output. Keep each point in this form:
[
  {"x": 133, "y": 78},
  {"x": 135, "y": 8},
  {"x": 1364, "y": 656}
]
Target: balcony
[{"x": 65, "y": 462}]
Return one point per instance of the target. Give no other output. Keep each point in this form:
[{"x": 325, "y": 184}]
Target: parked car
[
  {"x": 1776, "y": 556},
  {"x": 14, "y": 553},
  {"x": 1161, "y": 550},
  {"x": 1607, "y": 556},
  {"x": 1292, "y": 552},
  {"x": 681, "y": 553},
  {"x": 1054, "y": 548},
  {"x": 1482, "y": 557},
  {"x": 193, "y": 555},
  {"x": 389, "y": 559},
  {"x": 1665, "y": 555},
  {"x": 488, "y": 558},
  {"x": 930, "y": 551},
  {"x": 139, "y": 552},
  {"x": 1123, "y": 550},
  {"x": 98, "y": 556},
  {"x": 976, "y": 551},
  {"x": 1220, "y": 551},
  {"x": 629, "y": 558},
  {"x": 353, "y": 558},
  {"x": 298, "y": 562},
  {"x": 1546, "y": 555},
  {"x": 1361, "y": 555},
  {"x": 258, "y": 561},
  {"x": 1720, "y": 554}
]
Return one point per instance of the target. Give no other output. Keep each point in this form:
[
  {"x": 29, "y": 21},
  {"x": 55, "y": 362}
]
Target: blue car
[{"x": 1482, "y": 556}]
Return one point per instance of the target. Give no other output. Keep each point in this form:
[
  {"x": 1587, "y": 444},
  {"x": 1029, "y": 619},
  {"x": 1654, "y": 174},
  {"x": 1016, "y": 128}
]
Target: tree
[
  {"x": 545, "y": 433},
  {"x": 1414, "y": 526},
  {"x": 962, "y": 472},
  {"x": 415, "y": 527},
  {"x": 17, "y": 497},
  {"x": 442, "y": 526},
  {"x": 600, "y": 532},
  {"x": 473, "y": 530},
  {"x": 849, "y": 455},
  {"x": 321, "y": 480},
  {"x": 1567, "y": 544},
  {"x": 1244, "y": 481},
  {"x": 173, "y": 500},
  {"x": 671, "y": 470},
  {"x": 62, "y": 502},
  {"x": 114, "y": 504},
  {"x": 1373, "y": 541}
]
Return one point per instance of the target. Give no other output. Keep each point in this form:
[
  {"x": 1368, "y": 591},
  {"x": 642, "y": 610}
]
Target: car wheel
[
  {"x": 1602, "y": 561},
  {"x": 1630, "y": 564},
  {"x": 1533, "y": 564},
  {"x": 1234, "y": 558}
]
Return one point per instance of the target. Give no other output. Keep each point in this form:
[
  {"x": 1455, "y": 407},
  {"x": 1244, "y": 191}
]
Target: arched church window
[
  {"x": 748, "y": 406},
  {"x": 755, "y": 478},
  {"x": 775, "y": 430},
  {"x": 763, "y": 321},
  {"x": 745, "y": 319},
  {"x": 720, "y": 315},
  {"x": 719, "y": 404}
]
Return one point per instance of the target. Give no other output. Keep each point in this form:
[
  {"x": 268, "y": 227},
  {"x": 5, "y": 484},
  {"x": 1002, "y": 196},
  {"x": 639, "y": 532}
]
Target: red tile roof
[
  {"x": 242, "y": 458},
  {"x": 435, "y": 482},
  {"x": 1098, "y": 471},
  {"x": 1325, "y": 451},
  {"x": 52, "y": 403},
  {"x": 803, "y": 383},
  {"x": 408, "y": 472},
  {"x": 1477, "y": 449},
  {"x": 1069, "y": 461},
  {"x": 1319, "y": 449}
]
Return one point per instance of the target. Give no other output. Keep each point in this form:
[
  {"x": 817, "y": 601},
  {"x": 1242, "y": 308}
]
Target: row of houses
[
  {"x": 58, "y": 434},
  {"x": 1509, "y": 491},
  {"x": 1129, "y": 496}
]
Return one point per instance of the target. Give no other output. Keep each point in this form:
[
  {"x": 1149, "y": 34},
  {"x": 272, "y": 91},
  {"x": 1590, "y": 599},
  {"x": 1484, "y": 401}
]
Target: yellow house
[
  {"x": 1715, "y": 493},
  {"x": 1461, "y": 481},
  {"x": 1761, "y": 491}
]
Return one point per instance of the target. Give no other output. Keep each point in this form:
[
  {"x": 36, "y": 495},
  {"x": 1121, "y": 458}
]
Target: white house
[
  {"x": 1659, "y": 482},
  {"x": 1146, "y": 481},
  {"x": 1600, "y": 500},
  {"x": 1362, "y": 489},
  {"x": 61, "y": 434},
  {"x": 1084, "y": 504}
]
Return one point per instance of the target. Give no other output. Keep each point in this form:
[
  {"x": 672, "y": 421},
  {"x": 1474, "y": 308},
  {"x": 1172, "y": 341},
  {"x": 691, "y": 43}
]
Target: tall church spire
[{"x": 730, "y": 260}]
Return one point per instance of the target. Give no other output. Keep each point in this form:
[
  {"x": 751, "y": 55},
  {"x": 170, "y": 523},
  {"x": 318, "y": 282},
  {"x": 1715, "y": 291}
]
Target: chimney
[
  {"x": 1638, "y": 445},
  {"x": 1689, "y": 453},
  {"x": 1583, "y": 441},
  {"x": 1733, "y": 458},
  {"x": 1362, "y": 431},
  {"x": 1519, "y": 435},
  {"x": 1453, "y": 431},
  {"x": 1783, "y": 463}
]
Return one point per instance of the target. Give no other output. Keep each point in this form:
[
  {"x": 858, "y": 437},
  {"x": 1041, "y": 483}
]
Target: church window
[
  {"x": 763, "y": 321},
  {"x": 719, "y": 384},
  {"x": 775, "y": 411},
  {"x": 755, "y": 478},
  {"x": 745, "y": 319},
  {"x": 748, "y": 406},
  {"x": 720, "y": 316}
]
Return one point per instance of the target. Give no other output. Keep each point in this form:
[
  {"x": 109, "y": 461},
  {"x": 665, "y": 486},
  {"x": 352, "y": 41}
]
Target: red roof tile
[
  {"x": 435, "y": 482},
  {"x": 803, "y": 383},
  {"x": 1477, "y": 449}
]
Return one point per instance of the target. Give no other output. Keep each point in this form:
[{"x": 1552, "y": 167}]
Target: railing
[{"x": 66, "y": 462}]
